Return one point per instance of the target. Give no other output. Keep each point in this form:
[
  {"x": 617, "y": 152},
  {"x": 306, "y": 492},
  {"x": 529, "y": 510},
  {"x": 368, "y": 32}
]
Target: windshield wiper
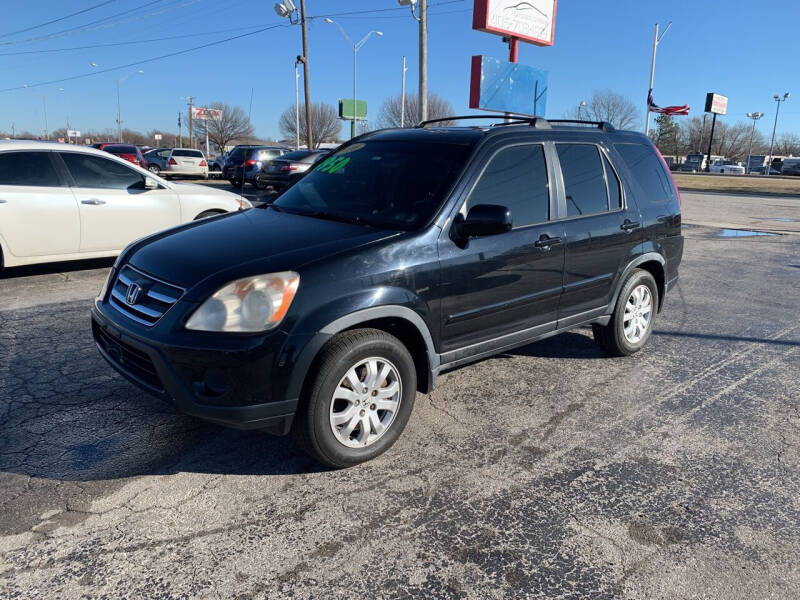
[{"x": 324, "y": 214}]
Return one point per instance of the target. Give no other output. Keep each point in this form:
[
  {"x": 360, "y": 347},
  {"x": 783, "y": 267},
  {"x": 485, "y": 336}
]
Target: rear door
[
  {"x": 602, "y": 229},
  {"x": 115, "y": 208},
  {"x": 501, "y": 284},
  {"x": 38, "y": 211}
]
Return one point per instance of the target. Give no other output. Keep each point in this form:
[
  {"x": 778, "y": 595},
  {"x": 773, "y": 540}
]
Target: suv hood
[{"x": 246, "y": 243}]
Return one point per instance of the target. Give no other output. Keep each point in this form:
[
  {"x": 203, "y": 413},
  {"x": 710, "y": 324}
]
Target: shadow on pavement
[{"x": 57, "y": 267}]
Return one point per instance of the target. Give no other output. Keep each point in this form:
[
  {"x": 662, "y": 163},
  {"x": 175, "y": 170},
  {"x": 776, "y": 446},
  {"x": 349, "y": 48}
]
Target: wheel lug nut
[
  {"x": 374, "y": 392},
  {"x": 362, "y": 412}
]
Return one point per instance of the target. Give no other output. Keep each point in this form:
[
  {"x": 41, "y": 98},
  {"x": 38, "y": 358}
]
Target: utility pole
[
  {"x": 191, "y": 132},
  {"x": 423, "y": 60},
  {"x": 656, "y": 41},
  {"x": 297, "y": 103},
  {"x": 180, "y": 133},
  {"x": 47, "y": 135},
  {"x": 306, "y": 82},
  {"x": 13, "y": 131},
  {"x": 403, "y": 95}
]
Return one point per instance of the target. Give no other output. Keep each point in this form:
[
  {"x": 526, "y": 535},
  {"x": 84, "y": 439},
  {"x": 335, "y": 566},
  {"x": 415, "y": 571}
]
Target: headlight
[{"x": 247, "y": 305}]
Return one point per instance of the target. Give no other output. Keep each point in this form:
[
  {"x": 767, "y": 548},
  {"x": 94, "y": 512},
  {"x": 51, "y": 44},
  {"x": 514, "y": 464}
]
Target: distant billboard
[
  {"x": 346, "y": 109},
  {"x": 502, "y": 86},
  {"x": 199, "y": 112},
  {"x": 530, "y": 21},
  {"x": 716, "y": 104}
]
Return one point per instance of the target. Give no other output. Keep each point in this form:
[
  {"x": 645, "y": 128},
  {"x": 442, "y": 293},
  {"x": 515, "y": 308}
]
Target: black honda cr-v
[{"x": 405, "y": 253}]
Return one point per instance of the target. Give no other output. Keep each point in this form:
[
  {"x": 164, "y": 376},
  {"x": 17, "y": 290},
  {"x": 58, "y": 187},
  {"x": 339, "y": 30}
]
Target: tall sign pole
[
  {"x": 403, "y": 96},
  {"x": 306, "y": 83},
  {"x": 191, "y": 131}
]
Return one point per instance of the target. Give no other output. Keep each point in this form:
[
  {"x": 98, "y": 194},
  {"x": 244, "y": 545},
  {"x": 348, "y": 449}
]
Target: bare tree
[
  {"x": 391, "y": 110},
  {"x": 325, "y": 124},
  {"x": 787, "y": 144},
  {"x": 607, "y": 105},
  {"x": 232, "y": 124}
]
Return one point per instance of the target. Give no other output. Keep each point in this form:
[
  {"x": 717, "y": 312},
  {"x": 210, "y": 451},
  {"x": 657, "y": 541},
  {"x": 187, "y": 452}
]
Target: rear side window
[
  {"x": 28, "y": 168},
  {"x": 97, "y": 172},
  {"x": 646, "y": 168},
  {"x": 192, "y": 153},
  {"x": 584, "y": 179},
  {"x": 268, "y": 154},
  {"x": 516, "y": 177},
  {"x": 121, "y": 149},
  {"x": 614, "y": 193}
]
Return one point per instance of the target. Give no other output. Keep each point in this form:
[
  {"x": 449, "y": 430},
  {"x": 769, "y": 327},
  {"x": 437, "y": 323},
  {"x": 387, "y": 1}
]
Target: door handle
[
  {"x": 546, "y": 241},
  {"x": 93, "y": 202},
  {"x": 629, "y": 225}
]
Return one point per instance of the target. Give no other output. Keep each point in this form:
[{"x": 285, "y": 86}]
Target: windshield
[{"x": 388, "y": 184}]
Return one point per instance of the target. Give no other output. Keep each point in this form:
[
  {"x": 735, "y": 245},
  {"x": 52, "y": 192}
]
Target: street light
[
  {"x": 778, "y": 99},
  {"x": 581, "y": 106},
  {"x": 119, "y": 115},
  {"x": 755, "y": 116},
  {"x": 44, "y": 106},
  {"x": 356, "y": 48}
]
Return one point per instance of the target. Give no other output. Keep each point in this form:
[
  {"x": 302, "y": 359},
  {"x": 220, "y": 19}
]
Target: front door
[
  {"x": 500, "y": 284},
  {"x": 115, "y": 208},
  {"x": 38, "y": 212}
]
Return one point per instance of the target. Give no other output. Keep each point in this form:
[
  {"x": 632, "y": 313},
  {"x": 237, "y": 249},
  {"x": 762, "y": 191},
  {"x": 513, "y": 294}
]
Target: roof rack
[
  {"x": 602, "y": 125},
  {"x": 535, "y": 122}
]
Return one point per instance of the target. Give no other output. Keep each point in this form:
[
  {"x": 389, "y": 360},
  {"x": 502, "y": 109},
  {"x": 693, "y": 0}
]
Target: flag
[{"x": 665, "y": 110}]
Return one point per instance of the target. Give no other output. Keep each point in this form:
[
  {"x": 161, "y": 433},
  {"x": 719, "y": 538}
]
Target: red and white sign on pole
[
  {"x": 198, "y": 112},
  {"x": 532, "y": 21}
]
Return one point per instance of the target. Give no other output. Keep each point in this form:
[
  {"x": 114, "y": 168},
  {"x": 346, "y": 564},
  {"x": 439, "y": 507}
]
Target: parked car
[
  {"x": 791, "y": 166},
  {"x": 403, "y": 254},
  {"x": 216, "y": 165},
  {"x": 186, "y": 162},
  {"x": 129, "y": 152},
  {"x": 762, "y": 170},
  {"x": 279, "y": 172},
  {"x": 157, "y": 159},
  {"x": 65, "y": 202},
  {"x": 245, "y": 161},
  {"x": 726, "y": 166}
]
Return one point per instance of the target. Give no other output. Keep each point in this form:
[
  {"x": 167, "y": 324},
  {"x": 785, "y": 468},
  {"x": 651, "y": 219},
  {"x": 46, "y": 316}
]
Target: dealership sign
[
  {"x": 716, "y": 104},
  {"x": 198, "y": 112},
  {"x": 497, "y": 85},
  {"x": 532, "y": 21}
]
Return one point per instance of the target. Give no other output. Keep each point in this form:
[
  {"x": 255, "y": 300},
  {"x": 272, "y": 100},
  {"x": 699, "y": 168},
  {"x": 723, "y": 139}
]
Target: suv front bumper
[{"x": 232, "y": 388}]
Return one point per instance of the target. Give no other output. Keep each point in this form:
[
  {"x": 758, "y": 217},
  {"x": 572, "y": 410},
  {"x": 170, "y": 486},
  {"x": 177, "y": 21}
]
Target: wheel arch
[
  {"x": 653, "y": 263},
  {"x": 399, "y": 321}
]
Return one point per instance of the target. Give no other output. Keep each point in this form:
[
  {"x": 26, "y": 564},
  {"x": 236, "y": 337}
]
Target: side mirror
[
  {"x": 483, "y": 220},
  {"x": 150, "y": 183}
]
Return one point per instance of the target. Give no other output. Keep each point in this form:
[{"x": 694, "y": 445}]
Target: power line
[
  {"x": 103, "y": 23},
  {"x": 110, "y": 44},
  {"x": 142, "y": 62},
  {"x": 80, "y": 12}
]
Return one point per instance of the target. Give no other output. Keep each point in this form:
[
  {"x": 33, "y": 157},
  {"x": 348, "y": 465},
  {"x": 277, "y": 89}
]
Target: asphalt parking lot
[{"x": 551, "y": 471}]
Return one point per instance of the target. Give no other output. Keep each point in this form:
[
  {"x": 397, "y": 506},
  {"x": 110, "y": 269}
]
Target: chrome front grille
[{"x": 141, "y": 297}]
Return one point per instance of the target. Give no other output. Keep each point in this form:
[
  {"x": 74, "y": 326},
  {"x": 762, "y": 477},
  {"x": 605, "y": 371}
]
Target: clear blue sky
[{"x": 743, "y": 49}]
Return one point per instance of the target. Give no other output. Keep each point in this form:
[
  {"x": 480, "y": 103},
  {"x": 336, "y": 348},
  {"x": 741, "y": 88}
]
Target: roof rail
[
  {"x": 536, "y": 122},
  {"x": 603, "y": 125}
]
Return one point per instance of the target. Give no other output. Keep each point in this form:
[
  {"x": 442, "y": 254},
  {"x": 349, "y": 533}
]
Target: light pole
[
  {"x": 356, "y": 48},
  {"x": 287, "y": 9},
  {"x": 581, "y": 108},
  {"x": 44, "y": 107},
  {"x": 422, "y": 19},
  {"x": 755, "y": 116},
  {"x": 403, "y": 95},
  {"x": 778, "y": 99},
  {"x": 119, "y": 114},
  {"x": 297, "y": 61}
]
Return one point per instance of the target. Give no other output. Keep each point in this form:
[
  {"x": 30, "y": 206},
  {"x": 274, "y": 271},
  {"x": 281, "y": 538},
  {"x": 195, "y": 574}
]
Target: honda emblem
[{"x": 133, "y": 293}]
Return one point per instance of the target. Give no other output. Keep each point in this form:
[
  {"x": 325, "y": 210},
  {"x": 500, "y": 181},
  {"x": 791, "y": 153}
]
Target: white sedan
[
  {"x": 63, "y": 202},
  {"x": 726, "y": 166}
]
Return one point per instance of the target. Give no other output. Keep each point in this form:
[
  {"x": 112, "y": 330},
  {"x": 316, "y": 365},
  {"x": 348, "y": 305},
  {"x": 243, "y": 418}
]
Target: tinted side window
[
  {"x": 584, "y": 180},
  {"x": 28, "y": 168},
  {"x": 648, "y": 171},
  {"x": 97, "y": 172},
  {"x": 192, "y": 153},
  {"x": 515, "y": 177},
  {"x": 614, "y": 195}
]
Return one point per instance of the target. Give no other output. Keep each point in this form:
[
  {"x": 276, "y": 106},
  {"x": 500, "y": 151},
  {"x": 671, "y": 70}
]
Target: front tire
[
  {"x": 358, "y": 400},
  {"x": 634, "y": 315}
]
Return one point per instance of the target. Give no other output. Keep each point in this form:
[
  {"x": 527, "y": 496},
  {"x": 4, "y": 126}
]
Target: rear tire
[
  {"x": 634, "y": 315},
  {"x": 340, "y": 423},
  {"x": 260, "y": 185},
  {"x": 235, "y": 182},
  {"x": 154, "y": 169}
]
